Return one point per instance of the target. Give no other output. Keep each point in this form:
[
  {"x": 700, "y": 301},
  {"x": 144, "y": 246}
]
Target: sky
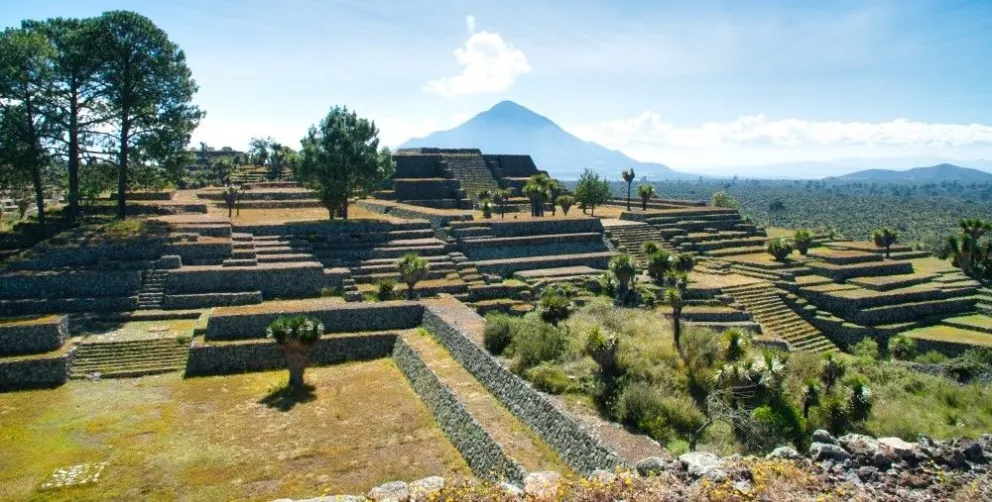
[{"x": 705, "y": 86}]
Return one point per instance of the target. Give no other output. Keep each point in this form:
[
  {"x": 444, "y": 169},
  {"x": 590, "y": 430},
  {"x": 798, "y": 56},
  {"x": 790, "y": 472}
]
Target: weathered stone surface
[
  {"x": 821, "y": 452},
  {"x": 822, "y": 436},
  {"x": 542, "y": 485},
  {"x": 897, "y": 448},
  {"x": 423, "y": 489},
  {"x": 701, "y": 464},
  {"x": 652, "y": 466},
  {"x": 393, "y": 491},
  {"x": 784, "y": 453}
]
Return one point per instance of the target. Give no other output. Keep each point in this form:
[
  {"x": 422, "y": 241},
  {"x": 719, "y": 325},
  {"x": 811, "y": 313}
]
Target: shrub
[
  {"x": 775, "y": 423},
  {"x": 865, "y": 349},
  {"x": 498, "y": 333},
  {"x": 902, "y": 347},
  {"x": 650, "y": 248},
  {"x": 554, "y": 306},
  {"x": 664, "y": 418},
  {"x": 722, "y": 199},
  {"x": 860, "y": 399},
  {"x": 605, "y": 351},
  {"x": 566, "y": 202},
  {"x": 549, "y": 378},
  {"x": 803, "y": 239},
  {"x": 779, "y": 248},
  {"x": 537, "y": 342},
  {"x": 637, "y": 405},
  {"x": 384, "y": 289}
]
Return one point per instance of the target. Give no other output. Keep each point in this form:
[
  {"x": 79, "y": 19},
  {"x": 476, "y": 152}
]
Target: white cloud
[
  {"x": 489, "y": 65},
  {"x": 758, "y": 138}
]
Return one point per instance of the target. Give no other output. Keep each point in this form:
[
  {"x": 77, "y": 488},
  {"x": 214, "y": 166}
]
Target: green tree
[
  {"x": 232, "y": 197},
  {"x": 536, "y": 189},
  {"x": 555, "y": 306},
  {"x": 76, "y": 90},
  {"x": 149, "y": 91},
  {"x": 259, "y": 148},
  {"x": 645, "y": 192},
  {"x": 628, "y": 177},
  {"x": 412, "y": 269},
  {"x": 340, "y": 158},
  {"x": 591, "y": 190},
  {"x": 803, "y": 240},
  {"x": 295, "y": 335},
  {"x": 555, "y": 188},
  {"x": 25, "y": 80},
  {"x": 501, "y": 197},
  {"x": 885, "y": 238}
]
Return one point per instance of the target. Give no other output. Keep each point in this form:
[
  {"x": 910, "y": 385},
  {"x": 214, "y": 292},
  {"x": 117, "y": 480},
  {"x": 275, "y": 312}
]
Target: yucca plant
[
  {"x": 622, "y": 267},
  {"x": 803, "y": 240},
  {"x": 295, "y": 335},
  {"x": 412, "y": 269},
  {"x": 779, "y": 248},
  {"x": 885, "y": 238},
  {"x": 645, "y": 192},
  {"x": 628, "y": 177},
  {"x": 566, "y": 202}
]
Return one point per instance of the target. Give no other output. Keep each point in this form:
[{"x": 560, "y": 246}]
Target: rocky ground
[{"x": 851, "y": 467}]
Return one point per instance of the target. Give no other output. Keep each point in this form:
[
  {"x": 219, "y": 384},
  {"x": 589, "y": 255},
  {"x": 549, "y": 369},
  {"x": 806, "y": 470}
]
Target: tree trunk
[
  {"x": 122, "y": 175},
  {"x": 677, "y": 332},
  {"x": 344, "y": 209},
  {"x": 409, "y": 290},
  {"x": 39, "y": 190},
  {"x": 73, "y": 212},
  {"x": 592, "y": 211},
  {"x": 297, "y": 357},
  {"x": 628, "y": 196},
  {"x": 644, "y": 204}
]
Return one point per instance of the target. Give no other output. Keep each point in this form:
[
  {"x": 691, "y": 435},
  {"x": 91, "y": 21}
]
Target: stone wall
[
  {"x": 33, "y": 337},
  {"x": 582, "y": 451},
  {"x": 277, "y": 280},
  {"x": 65, "y": 305},
  {"x": 69, "y": 284},
  {"x": 39, "y": 372},
  {"x": 335, "y": 227},
  {"x": 418, "y": 166},
  {"x": 511, "y": 228},
  {"x": 481, "y": 452},
  {"x": 517, "y": 166},
  {"x": 207, "y": 300},
  {"x": 264, "y": 355},
  {"x": 337, "y": 318},
  {"x": 426, "y": 188},
  {"x": 437, "y": 219}
]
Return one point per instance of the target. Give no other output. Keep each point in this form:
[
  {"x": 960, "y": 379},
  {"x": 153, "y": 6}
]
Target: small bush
[
  {"x": 734, "y": 344},
  {"x": 902, "y": 347},
  {"x": 498, "y": 333},
  {"x": 664, "y": 418},
  {"x": 536, "y": 342},
  {"x": 328, "y": 292},
  {"x": 554, "y": 306},
  {"x": 779, "y": 248},
  {"x": 865, "y": 349},
  {"x": 384, "y": 289},
  {"x": 776, "y": 423},
  {"x": 549, "y": 378}
]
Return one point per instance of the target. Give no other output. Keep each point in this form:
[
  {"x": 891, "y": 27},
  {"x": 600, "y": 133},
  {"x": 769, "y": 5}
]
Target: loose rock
[{"x": 393, "y": 491}]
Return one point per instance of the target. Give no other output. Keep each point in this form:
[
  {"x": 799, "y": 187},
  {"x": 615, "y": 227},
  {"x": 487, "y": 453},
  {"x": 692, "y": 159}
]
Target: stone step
[
  {"x": 284, "y": 258},
  {"x": 240, "y": 262}
]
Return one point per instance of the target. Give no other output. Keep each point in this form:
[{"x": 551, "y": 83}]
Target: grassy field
[
  {"x": 223, "y": 438},
  {"x": 951, "y": 334}
]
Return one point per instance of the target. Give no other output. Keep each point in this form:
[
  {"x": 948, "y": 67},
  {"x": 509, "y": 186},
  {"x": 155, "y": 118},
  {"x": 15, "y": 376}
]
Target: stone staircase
[
  {"x": 242, "y": 251},
  {"x": 777, "y": 319},
  {"x": 152, "y": 291},
  {"x": 128, "y": 359},
  {"x": 473, "y": 174},
  {"x": 631, "y": 238},
  {"x": 282, "y": 249}
]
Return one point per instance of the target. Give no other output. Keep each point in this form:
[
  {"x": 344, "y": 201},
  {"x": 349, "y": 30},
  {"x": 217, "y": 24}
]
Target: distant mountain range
[
  {"x": 511, "y": 128},
  {"x": 932, "y": 174}
]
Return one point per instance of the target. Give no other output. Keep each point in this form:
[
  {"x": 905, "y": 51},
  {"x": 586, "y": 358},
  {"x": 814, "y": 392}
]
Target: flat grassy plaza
[{"x": 223, "y": 438}]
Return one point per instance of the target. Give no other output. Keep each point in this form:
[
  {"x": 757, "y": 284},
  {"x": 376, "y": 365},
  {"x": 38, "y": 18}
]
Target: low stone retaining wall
[
  {"x": 511, "y": 228},
  {"x": 496, "y": 251},
  {"x": 69, "y": 284},
  {"x": 337, "y": 317},
  {"x": 425, "y": 188},
  {"x": 583, "y": 452},
  {"x": 265, "y": 355},
  {"x": 36, "y": 372},
  {"x": 437, "y": 219},
  {"x": 200, "y": 301},
  {"x": 33, "y": 337},
  {"x": 507, "y": 267},
  {"x": 335, "y": 227},
  {"x": 278, "y": 280},
  {"x": 198, "y": 252},
  {"x": 66, "y": 305},
  {"x": 481, "y": 452}
]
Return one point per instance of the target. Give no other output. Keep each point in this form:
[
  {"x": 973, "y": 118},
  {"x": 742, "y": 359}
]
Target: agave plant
[
  {"x": 645, "y": 192},
  {"x": 885, "y": 238},
  {"x": 622, "y": 267},
  {"x": 412, "y": 269}
]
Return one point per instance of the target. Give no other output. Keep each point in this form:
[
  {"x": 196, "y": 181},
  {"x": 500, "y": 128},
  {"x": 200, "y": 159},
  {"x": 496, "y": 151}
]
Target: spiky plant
[
  {"x": 628, "y": 177},
  {"x": 885, "y": 238},
  {"x": 779, "y": 248},
  {"x": 645, "y": 192},
  {"x": 412, "y": 269},
  {"x": 803, "y": 239},
  {"x": 295, "y": 335}
]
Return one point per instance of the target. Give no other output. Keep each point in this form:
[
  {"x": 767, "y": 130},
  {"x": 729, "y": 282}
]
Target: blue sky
[{"x": 701, "y": 85}]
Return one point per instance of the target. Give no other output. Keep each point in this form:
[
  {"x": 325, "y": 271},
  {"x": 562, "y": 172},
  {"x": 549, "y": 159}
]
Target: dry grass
[
  {"x": 951, "y": 334},
  {"x": 214, "y": 439},
  {"x": 931, "y": 265},
  {"x": 269, "y": 216}
]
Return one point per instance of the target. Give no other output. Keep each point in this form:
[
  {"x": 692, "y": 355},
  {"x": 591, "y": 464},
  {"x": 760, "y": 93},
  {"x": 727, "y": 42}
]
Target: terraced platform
[
  {"x": 131, "y": 358},
  {"x": 777, "y": 319}
]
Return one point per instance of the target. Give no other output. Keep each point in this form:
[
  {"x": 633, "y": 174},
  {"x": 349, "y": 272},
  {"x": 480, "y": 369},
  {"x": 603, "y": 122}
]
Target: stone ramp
[
  {"x": 132, "y": 358},
  {"x": 777, "y": 319},
  {"x": 517, "y": 440}
]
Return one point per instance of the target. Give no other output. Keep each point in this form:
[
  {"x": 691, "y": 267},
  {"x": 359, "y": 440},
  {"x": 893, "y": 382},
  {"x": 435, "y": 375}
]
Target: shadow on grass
[{"x": 287, "y": 397}]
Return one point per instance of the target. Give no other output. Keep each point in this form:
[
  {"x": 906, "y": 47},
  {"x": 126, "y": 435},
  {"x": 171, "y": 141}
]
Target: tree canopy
[
  {"x": 591, "y": 190},
  {"x": 340, "y": 158}
]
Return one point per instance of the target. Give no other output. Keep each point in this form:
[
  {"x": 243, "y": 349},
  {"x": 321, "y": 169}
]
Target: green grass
[
  {"x": 215, "y": 438},
  {"x": 951, "y": 334}
]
